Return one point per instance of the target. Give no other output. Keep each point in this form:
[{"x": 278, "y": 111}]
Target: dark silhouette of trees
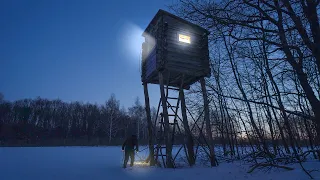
[
  {"x": 42, "y": 122},
  {"x": 265, "y": 85}
]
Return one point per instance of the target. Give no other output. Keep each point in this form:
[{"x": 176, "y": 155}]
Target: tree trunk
[
  {"x": 138, "y": 127},
  {"x": 110, "y": 128},
  {"x": 301, "y": 75}
]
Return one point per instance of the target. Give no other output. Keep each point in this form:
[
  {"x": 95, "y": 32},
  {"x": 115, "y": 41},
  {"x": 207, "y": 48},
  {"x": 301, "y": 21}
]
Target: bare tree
[
  {"x": 288, "y": 28},
  {"x": 113, "y": 113},
  {"x": 1, "y": 97}
]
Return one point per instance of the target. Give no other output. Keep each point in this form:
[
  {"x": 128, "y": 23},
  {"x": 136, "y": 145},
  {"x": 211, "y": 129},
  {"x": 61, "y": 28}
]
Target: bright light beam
[{"x": 131, "y": 42}]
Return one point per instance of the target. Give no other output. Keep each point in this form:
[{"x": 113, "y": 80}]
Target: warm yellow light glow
[
  {"x": 184, "y": 38},
  {"x": 141, "y": 163}
]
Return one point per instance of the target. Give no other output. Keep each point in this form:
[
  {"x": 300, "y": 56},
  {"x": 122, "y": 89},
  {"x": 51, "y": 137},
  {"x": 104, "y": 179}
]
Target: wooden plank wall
[
  {"x": 178, "y": 57},
  {"x": 149, "y": 62},
  {"x": 190, "y": 58}
]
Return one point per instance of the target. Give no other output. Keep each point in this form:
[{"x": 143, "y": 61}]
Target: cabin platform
[{"x": 175, "y": 78}]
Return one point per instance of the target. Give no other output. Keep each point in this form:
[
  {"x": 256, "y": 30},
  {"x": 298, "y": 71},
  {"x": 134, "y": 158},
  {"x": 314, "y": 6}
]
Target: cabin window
[{"x": 184, "y": 38}]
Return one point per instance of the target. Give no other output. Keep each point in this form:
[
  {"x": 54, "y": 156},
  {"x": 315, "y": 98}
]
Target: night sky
[{"x": 74, "y": 50}]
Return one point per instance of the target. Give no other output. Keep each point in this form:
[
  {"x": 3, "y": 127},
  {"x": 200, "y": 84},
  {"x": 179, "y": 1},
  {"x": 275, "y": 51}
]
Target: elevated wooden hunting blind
[
  {"x": 175, "y": 55},
  {"x": 176, "y": 46}
]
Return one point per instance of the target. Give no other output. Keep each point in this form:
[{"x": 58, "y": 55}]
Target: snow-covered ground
[{"x": 95, "y": 163}]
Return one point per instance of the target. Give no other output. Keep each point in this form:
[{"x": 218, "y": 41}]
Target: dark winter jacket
[{"x": 130, "y": 143}]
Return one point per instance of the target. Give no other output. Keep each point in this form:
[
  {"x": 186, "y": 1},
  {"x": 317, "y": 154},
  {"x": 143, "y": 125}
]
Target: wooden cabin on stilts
[{"x": 175, "y": 55}]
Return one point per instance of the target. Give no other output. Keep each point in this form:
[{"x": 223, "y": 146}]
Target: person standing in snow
[{"x": 128, "y": 148}]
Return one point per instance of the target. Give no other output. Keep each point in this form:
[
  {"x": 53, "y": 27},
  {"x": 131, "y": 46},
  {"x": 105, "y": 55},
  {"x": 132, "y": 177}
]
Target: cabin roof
[{"x": 163, "y": 12}]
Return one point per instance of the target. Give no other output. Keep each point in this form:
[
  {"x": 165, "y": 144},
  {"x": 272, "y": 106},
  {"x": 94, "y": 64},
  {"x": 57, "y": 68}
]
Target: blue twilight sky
[{"x": 74, "y": 50}]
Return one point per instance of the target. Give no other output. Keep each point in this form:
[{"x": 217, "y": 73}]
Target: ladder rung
[
  {"x": 169, "y": 123},
  {"x": 176, "y": 89},
  {"x": 171, "y": 115},
  {"x": 172, "y": 98},
  {"x": 171, "y": 106},
  {"x": 161, "y": 147}
]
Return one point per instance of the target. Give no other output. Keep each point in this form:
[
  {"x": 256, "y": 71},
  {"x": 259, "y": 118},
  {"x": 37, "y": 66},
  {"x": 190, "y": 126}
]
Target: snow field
[{"x": 95, "y": 163}]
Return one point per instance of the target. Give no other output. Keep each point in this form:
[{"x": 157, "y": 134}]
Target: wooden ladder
[{"x": 173, "y": 108}]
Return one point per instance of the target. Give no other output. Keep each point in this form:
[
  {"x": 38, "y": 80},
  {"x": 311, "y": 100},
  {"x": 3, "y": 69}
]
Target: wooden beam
[
  {"x": 207, "y": 120},
  {"x": 149, "y": 122},
  {"x": 188, "y": 135},
  {"x": 169, "y": 162}
]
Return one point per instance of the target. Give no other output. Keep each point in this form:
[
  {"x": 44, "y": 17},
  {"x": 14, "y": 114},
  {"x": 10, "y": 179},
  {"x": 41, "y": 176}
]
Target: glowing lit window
[{"x": 184, "y": 38}]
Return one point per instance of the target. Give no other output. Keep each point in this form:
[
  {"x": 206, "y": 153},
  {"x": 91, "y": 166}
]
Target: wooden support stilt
[
  {"x": 207, "y": 121},
  {"x": 168, "y": 143},
  {"x": 188, "y": 135},
  {"x": 149, "y": 122}
]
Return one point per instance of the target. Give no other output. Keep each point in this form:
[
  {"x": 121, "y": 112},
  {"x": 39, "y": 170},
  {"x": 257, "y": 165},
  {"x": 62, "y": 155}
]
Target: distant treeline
[{"x": 43, "y": 122}]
